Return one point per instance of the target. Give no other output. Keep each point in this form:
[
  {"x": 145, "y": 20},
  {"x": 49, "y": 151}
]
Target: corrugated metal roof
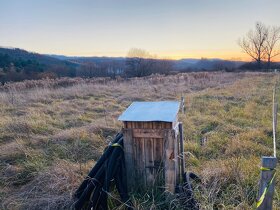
[{"x": 164, "y": 111}]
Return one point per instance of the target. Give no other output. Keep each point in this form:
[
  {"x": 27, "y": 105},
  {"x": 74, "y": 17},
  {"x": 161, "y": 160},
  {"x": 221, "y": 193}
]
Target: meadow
[{"x": 52, "y": 131}]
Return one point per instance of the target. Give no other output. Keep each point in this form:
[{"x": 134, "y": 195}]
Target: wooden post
[
  {"x": 275, "y": 126},
  {"x": 266, "y": 176},
  {"x": 182, "y": 104},
  {"x": 182, "y": 151},
  {"x": 274, "y": 122}
]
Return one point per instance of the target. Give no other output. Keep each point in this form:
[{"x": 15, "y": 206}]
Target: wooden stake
[
  {"x": 274, "y": 121},
  {"x": 182, "y": 151},
  {"x": 266, "y": 177},
  {"x": 182, "y": 104}
]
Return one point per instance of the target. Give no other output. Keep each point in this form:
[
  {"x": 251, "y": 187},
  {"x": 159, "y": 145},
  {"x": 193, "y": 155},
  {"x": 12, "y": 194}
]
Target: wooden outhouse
[{"x": 151, "y": 145}]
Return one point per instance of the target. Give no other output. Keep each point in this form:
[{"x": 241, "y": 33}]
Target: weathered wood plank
[
  {"x": 168, "y": 125},
  {"x": 138, "y": 125},
  {"x": 170, "y": 161},
  {"x": 176, "y": 154},
  {"x": 149, "y": 161},
  {"x": 129, "y": 160},
  {"x": 182, "y": 156},
  {"x": 133, "y": 124},
  {"x": 158, "y": 149},
  {"x": 159, "y": 125},
  {"x": 129, "y": 124},
  {"x": 149, "y": 125},
  {"x": 141, "y": 162},
  {"x": 135, "y": 159},
  {"x": 148, "y": 133},
  {"x": 154, "y": 125},
  {"x": 158, "y": 162}
]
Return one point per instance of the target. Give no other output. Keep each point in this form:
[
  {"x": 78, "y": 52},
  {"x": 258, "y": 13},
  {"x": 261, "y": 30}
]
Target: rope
[
  {"x": 261, "y": 199},
  {"x": 267, "y": 169}
]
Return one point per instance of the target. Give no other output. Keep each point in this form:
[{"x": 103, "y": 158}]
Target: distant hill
[
  {"x": 206, "y": 64},
  {"x": 18, "y": 64},
  {"x": 185, "y": 64},
  {"x": 91, "y": 59},
  {"x": 16, "y": 54}
]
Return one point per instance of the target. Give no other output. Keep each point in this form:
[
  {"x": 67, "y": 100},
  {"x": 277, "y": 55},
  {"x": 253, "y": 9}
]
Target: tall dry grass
[{"x": 52, "y": 132}]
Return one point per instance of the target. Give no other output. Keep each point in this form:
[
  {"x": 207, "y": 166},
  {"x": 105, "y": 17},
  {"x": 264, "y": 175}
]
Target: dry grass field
[{"x": 53, "y": 131}]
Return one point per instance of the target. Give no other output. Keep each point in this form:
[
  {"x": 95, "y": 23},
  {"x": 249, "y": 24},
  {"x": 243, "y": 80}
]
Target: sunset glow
[{"x": 171, "y": 29}]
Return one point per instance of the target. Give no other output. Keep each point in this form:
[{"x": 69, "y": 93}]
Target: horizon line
[{"x": 176, "y": 58}]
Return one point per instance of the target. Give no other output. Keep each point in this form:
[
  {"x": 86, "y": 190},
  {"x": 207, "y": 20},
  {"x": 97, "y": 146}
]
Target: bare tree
[
  {"x": 254, "y": 43},
  {"x": 139, "y": 63},
  {"x": 88, "y": 70},
  {"x": 271, "y": 44},
  {"x": 138, "y": 53},
  {"x": 115, "y": 68},
  {"x": 163, "y": 66}
]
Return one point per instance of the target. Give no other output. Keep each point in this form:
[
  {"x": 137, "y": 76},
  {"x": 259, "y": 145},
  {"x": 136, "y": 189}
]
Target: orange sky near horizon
[
  {"x": 227, "y": 55},
  {"x": 174, "y": 55},
  {"x": 169, "y": 29}
]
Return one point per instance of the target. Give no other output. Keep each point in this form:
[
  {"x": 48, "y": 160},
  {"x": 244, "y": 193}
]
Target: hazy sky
[{"x": 168, "y": 28}]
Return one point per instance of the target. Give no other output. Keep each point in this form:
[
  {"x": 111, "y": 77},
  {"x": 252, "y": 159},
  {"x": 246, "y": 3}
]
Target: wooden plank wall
[{"x": 148, "y": 161}]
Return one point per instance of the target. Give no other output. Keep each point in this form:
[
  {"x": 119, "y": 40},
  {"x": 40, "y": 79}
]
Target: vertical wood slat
[
  {"x": 177, "y": 149},
  {"x": 176, "y": 153},
  {"x": 182, "y": 161},
  {"x": 149, "y": 161},
  {"x": 142, "y": 160},
  {"x": 170, "y": 163},
  {"x": 158, "y": 161},
  {"x": 266, "y": 176},
  {"x": 274, "y": 123},
  {"x": 136, "y": 160},
  {"x": 129, "y": 124},
  {"x": 140, "y": 178},
  {"x": 129, "y": 163},
  {"x": 147, "y": 157},
  {"x": 156, "y": 157}
]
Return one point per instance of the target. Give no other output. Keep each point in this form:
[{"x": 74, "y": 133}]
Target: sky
[{"x": 166, "y": 28}]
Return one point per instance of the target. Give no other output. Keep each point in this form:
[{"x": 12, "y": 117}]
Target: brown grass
[{"x": 52, "y": 131}]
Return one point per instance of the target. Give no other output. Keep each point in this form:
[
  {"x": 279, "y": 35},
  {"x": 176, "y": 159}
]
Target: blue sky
[{"x": 168, "y": 28}]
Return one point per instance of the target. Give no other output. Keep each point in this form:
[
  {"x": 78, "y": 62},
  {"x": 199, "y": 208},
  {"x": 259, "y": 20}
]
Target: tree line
[{"x": 138, "y": 63}]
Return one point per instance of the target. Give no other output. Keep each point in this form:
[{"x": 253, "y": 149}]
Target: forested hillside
[{"x": 17, "y": 64}]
